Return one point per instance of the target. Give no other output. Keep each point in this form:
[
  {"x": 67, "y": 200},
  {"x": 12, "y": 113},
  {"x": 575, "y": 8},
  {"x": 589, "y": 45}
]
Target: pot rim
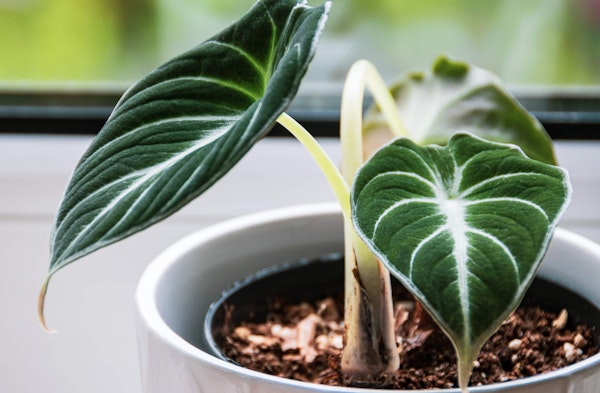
[{"x": 148, "y": 311}]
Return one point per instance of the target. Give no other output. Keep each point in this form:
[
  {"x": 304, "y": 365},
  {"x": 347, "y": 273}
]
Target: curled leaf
[
  {"x": 456, "y": 96},
  {"x": 183, "y": 126}
]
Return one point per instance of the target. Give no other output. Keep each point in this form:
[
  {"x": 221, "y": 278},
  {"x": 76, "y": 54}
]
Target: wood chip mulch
[{"x": 304, "y": 342}]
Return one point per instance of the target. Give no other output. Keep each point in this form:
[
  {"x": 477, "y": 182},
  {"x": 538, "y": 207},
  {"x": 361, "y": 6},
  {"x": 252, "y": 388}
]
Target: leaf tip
[
  {"x": 466, "y": 358},
  {"x": 40, "y": 307}
]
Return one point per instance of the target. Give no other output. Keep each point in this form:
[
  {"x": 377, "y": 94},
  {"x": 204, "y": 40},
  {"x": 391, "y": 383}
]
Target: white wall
[{"x": 91, "y": 302}]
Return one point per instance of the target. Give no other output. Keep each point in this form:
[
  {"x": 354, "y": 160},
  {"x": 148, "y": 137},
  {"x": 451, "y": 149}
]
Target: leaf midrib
[{"x": 454, "y": 210}]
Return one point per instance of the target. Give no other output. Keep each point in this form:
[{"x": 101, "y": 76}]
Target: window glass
[
  {"x": 527, "y": 42},
  {"x": 76, "y": 40}
]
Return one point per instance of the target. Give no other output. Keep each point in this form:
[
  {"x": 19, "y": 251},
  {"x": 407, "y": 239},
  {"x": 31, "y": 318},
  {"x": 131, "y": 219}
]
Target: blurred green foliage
[
  {"x": 76, "y": 39},
  {"x": 526, "y": 42}
]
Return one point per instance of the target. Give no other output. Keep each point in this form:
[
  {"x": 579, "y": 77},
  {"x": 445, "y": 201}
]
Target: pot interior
[{"x": 248, "y": 299}]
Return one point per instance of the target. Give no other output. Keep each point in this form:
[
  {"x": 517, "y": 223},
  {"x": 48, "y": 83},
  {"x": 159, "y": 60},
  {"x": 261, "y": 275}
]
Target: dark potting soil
[{"x": 303, "y": 341}]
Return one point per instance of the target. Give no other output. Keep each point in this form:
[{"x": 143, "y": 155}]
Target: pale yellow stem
[
  {"x": 370, "y": 276},
  {"x": 329, "y": 169},
  {"x": 363, "y": 75}
]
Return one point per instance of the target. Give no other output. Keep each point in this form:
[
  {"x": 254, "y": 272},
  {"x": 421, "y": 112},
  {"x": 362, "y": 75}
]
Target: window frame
[{"x": 567, "y": 114}]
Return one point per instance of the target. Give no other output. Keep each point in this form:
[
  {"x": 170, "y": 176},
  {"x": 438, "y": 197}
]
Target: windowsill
[
  {"x": 570, "y": 113},
  {"x": 91, "y": 303}
]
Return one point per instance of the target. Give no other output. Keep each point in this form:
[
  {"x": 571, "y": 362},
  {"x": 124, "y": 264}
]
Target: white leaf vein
[
  {"x": 507, "y": 199},
  {"x": 465, "y": 193},
  {"x": 500, "y": 244},
  {"x": 139, "y": 178},
  {"x": 130, "y": 100}
]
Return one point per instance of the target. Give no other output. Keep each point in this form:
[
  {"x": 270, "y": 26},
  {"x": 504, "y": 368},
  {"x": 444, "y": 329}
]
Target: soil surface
[{"x": 304, "y": 342}]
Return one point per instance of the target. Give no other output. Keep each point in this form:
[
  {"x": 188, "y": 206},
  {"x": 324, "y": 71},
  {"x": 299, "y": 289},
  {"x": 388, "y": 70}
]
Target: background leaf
[
  {"x": 182, "y": 127},
  {"x": 464, "y": 227},
  {"x": 456, "y": 96}
]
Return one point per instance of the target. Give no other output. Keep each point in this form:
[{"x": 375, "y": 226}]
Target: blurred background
[{"x": 528, "y": 43}]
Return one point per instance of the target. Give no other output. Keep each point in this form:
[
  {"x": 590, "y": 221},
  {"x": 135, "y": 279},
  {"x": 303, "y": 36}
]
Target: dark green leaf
[
  {"x": 182, "y": 127},
  {"x": 464, "y": 227}
]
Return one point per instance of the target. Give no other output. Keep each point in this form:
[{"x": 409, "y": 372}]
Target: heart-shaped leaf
[
  {"x": 456, "y": 96},
  {"x": 183, "y": 126},
  {"x": 464, "y": 227}
]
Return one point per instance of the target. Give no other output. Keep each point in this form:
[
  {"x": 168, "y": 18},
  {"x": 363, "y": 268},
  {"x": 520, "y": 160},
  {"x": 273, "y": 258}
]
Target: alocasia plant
[{"x": 463, "y": 226}]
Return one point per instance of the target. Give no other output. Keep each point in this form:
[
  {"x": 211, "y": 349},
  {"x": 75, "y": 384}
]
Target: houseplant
[
  {"x": 177, "y": 288},
  {"x": 182, "y": 127}
]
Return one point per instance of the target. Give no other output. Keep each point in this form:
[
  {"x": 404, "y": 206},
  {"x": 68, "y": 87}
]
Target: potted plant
[
  {"x": 178, "y": 287},
  {"x": 463, "y": 224}
]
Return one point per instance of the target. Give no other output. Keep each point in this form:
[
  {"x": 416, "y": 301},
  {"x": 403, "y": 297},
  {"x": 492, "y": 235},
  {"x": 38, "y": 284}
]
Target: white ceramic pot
[{"x": 178, "y": 287}]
